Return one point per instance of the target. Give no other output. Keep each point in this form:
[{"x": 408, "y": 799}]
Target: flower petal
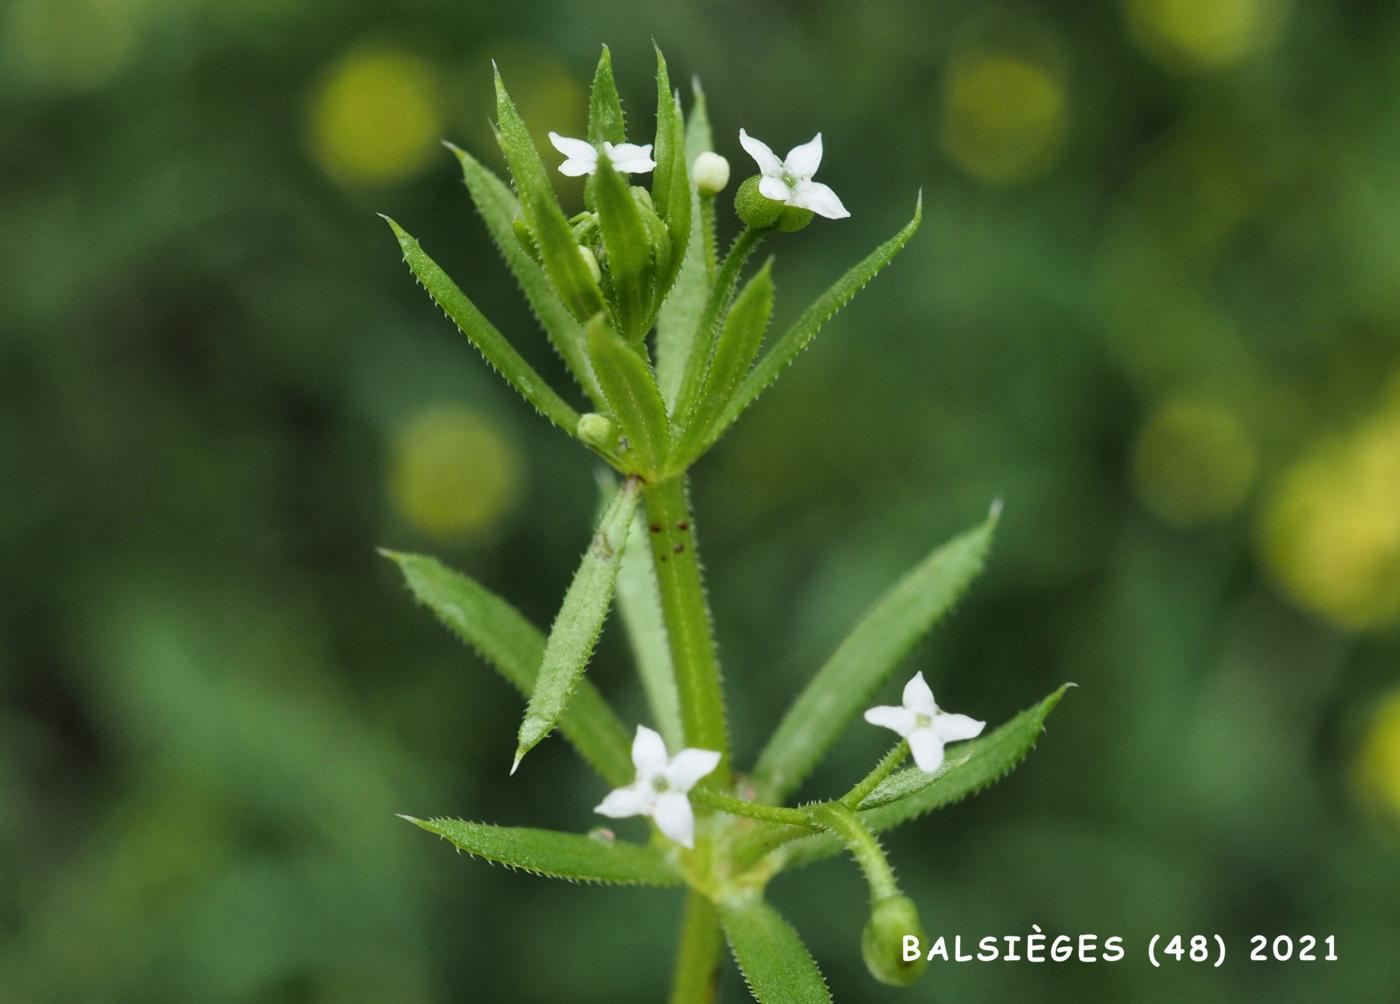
[
  {"x": 648, "y": 752},
  {"x": 675, "y": 818},
  {"x": 629, "y": 801},
  {"x": 573, "y": 168},
  {"x": 820, "y": 199},
  {"x": 689, "y": 766},
  {"x": 889, "y": 717},
  {"x": 927, "y": 749},
  {"x": 768, "y": 163},
  {"x": 775, "y": 189},
  {"x": 574, "y": 149},
  {"x": 804, "y": 160},
  {"x": 917, "y": 695},
  {"x": 952, "y": 728}
]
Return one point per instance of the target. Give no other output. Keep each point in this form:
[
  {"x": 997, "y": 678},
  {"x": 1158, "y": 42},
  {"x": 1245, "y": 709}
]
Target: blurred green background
[{"x": 1154, "y": 306}]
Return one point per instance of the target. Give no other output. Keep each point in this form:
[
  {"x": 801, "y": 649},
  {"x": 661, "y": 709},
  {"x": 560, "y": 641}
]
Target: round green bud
[
  {"x": 710, "y": 172},
  {"x": 892, "y": 920},
  {"x": 589, "y": 259},
  {"x": 597, "y": 430},
  {"x": 762, "y": 213},
  {"x": 755, "y": 208}
]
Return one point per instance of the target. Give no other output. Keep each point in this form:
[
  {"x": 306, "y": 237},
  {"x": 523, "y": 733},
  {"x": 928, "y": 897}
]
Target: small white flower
[
  {"x": 790, "y": 181},
  {"x": 926, "y": 727},
  {"x": 661, "y": 786},
  {"x": 581, "y": 156}
]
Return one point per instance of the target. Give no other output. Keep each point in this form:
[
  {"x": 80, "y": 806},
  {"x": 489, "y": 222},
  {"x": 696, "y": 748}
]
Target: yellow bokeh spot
[
  {"x": 453, "y": 474},
  {"x": 1004, "y": 117},
  {"x": 1378, "y": 761},
  {"x": 1204, "y": 34},
  {"x": 71, "y": 44},
  {"x": 376, "y": 117},
  {"x": 1194, "y": 463},
  {"x": 1331, "y": 533}
]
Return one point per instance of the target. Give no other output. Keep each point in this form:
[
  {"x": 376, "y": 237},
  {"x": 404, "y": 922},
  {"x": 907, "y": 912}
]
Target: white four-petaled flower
[
  {"x": 790, "y": 181},
  {"x": 661, "y": 785},
  {"x": 581, "y": 156},
  {"x": 924, "y": 725}
]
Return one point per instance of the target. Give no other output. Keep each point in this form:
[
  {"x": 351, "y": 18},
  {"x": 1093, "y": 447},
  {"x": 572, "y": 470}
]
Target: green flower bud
[
  {"x": 597, "y": 430},
  {"x": 592, "y": 262},
  {"x": 882, "y": 943},
  {"x": 711, "y": 173},
  {"x": 762, "y": 213}
]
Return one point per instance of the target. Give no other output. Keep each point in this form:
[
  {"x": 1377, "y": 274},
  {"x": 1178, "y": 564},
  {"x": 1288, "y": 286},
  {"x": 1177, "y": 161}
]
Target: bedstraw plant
[{"x": 636, "y": 260}]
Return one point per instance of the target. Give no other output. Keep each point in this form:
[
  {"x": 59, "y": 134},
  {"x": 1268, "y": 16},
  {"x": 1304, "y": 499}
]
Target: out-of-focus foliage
[{"x": 1152, "y": 306}]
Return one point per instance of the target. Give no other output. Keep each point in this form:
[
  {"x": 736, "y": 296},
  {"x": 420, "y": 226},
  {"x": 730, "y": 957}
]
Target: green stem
[
  {"x": 871, "y": 781},
  {"x": 700, "y": 955},
  {"x": 707, "y": 235},
  {"x": 753, "y": 810},
  {"x": 687, "y": 614},
  {"x": 862, "y": 844}
]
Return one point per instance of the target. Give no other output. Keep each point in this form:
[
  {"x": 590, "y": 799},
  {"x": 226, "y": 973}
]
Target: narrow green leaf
[
  {"x": 980, "y": 764},
  {"x": 629, "y": 251},
  {"x": 843, "y": 686},
  {"x": 664, "y": 147},
  {"x": 698, "y": 138},
  {"x": 558, "y": 246},
  {"x": 605, "y": 119},
  {"x": 639, "y": 602},
  {"x": 679, "y": 317},
  {"x": 502, "y": 636},
  {"x": 500, "y": 210},
  {"x": 776, "y": 965},
  {"x": 909, "y": 781},
  {"x": 483, "y": 334},
  {"x": 632, "y": 395},
  {"x": 579, "y": 622},
  {"x": 717, "y": 303},
  {"x": 671, "y": 191},
  {"x": 680, "y": 312},
  {"x": 735, "y": 351},
  {"x": 797, "y": 337},
  {"x": 571, "y": 856}
]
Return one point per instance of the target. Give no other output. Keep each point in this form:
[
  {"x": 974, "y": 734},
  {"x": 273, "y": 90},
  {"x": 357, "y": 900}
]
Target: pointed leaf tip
[
  {"x": 994, "y": 511},
  {"x": 519, "y": 755}
]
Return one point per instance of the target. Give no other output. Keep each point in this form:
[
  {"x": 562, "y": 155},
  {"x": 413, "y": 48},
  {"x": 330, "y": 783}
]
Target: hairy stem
[
  {"x": 862, "y": 844},
  {"x": 753, "y": 810},
  {"x": 687, "y": 614},
  {"x": 700, "y": 955},
  {"x": 707, "y": 235},
  {"x": 871, "y": 781}
]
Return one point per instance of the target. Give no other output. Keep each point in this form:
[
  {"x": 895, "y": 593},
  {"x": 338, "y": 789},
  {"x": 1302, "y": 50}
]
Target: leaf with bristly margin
[
  {"x": 483, "y": 334},
  {"x": 797, "y": 337},
  {"x": 843, "y": 686},
  {"x": 502, "y": 636},
  {"x": 639, "y": 603},
  {"x": 562, "y": 259},
  {"x": 670, "y": 181},
  {"x": 632, "y": 395},
  {"x": 981, "y": 763},
  {"x": 735, "y": 350},
  {"x": 499, "y": 210},
  {"x": 552, "y": 854},
  {"x": 698, "y": 138},
  {"x": 909, "y": 781},
  {"x": 579, "y": 622},
  {"x": 629, "y": 251},
  {"x": 680, "y": 313},
  {"x": 772, "y": 958},
  {"x": 606, "y": 123}
]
